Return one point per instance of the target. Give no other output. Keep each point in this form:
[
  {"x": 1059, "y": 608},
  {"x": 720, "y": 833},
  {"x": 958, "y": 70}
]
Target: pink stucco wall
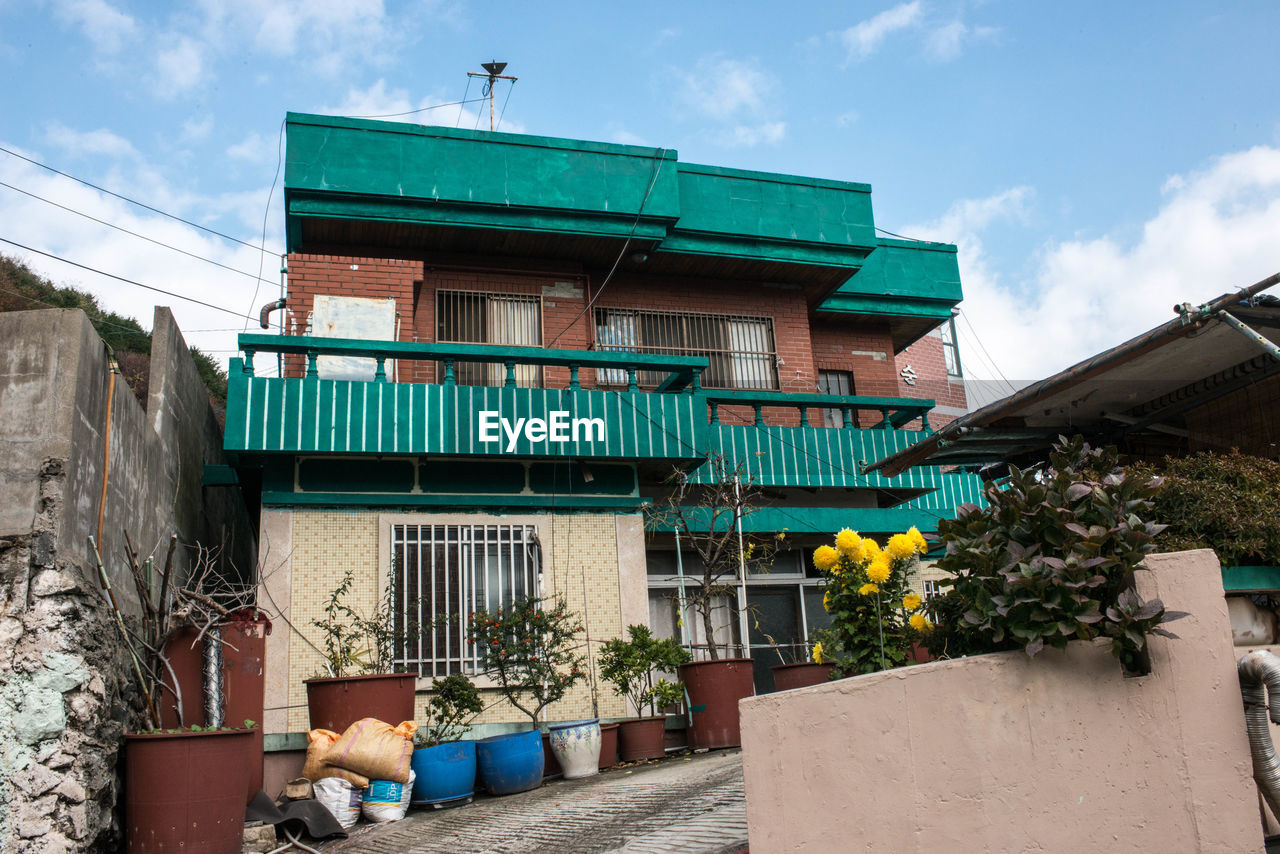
[{"x": 1004, "y": 753}]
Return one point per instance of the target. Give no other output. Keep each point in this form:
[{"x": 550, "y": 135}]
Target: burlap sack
[
  {"x": 374, "y": 749},
  {"x": 317, "y": 769}
]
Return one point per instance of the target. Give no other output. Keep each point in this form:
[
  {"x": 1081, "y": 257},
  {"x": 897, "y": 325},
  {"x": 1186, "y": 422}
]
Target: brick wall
[{"x": 927, "y": 360}]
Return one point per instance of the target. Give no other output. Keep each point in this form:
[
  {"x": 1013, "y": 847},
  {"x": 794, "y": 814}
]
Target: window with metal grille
[
  {"x": 475, "y": 317},
  {"x": 834, "y": 382},
  {"x": 950, "y": 350},
  {"x": 442, "y": 573},
  {"x": 741, "y": 349}
]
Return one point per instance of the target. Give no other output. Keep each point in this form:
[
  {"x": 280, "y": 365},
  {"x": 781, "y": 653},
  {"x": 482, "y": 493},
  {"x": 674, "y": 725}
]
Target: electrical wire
[
  {"x": 229, "y": 311},
  {"x": 422, "y": 109},
  {"x": 131, "y": 201},
  {"x": 465, "y": 93},
  {"x": 504, "y": 104},
  {"x": 120, "y": 326},
  {"x": 978, "y": 340},
  {"x": 266, "y": 210},
  {"x": 900, "y": 236},
  {"x": 126, "y": 231},
  {"x": 658, "y": 159}
]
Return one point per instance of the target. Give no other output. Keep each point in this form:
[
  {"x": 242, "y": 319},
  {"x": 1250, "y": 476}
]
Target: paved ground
[{"x": 690, "y": 804}]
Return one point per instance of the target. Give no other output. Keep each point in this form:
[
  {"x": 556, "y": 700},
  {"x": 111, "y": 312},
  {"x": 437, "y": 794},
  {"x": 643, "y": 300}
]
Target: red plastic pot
[
  {"x": 185, "y": 791},
  {"x": 335, "y": 703},
  {"x": 643, "y": 738},
  {"x": 608, "y": 745},
  {"x": 550, "y": 765},
  {"x": 800, "y": 675},
  {"x": 715, "y": 687}
]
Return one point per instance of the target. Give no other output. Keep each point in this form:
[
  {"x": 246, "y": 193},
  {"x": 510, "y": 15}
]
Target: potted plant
[
  {"x": 185, "y": 785},
  {"x": 707, "y": 516},
  {"x": 802, "y": 674},
  {"x": 632, "y": 666},
  {"x": 359, "y": 680},
  {"x": 528, "y": 650},
  {"x": 875, "y": 617},
  {"x": 444, "y": 764}
]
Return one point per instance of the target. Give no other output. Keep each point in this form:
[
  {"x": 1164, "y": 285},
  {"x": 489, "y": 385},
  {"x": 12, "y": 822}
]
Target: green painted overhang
[
  {"x": 912, "y": 285},
  {"x": 391, "y": 185}
]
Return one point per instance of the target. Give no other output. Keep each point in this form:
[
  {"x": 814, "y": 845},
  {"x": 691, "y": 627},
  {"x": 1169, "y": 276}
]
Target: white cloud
[
  {"x": 948, "y": 41},
  {"x": 42, "y": 226},
  {"x": 194, "y": 130},
  {"x": 106, "y": 27},
  {"x": 862, "y": 39},
  {"x": 1215, "y": 230},
  {"x": 394, "y": 104},
  {"x": 739, "y": 96},
  {"x": 100, "y": 142},
  {"x": 180, "y": 67},
  {"x": 254, "y": 148},
  {"x": 617, "y": 133}
]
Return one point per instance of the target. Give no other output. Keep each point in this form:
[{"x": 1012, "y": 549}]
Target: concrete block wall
[{"x": 1005, "y": 753}]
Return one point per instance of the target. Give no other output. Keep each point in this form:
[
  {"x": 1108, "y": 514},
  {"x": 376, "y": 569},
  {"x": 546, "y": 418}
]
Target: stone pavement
[{"x": 692, "y": 804}]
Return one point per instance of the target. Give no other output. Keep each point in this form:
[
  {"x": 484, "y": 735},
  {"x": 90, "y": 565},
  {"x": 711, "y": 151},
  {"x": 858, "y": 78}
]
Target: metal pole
[
  {"x": 684, "y": 630},
  {"x": 1248, "y": 332},
  {"x": 742, "y": 570}
]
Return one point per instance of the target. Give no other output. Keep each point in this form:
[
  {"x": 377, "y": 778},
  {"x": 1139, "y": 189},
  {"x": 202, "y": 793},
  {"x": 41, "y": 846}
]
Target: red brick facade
[{"x": 805, "y": 344}]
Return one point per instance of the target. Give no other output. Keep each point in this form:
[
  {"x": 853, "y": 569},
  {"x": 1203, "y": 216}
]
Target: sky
[{"x": 1094, "y": 162}]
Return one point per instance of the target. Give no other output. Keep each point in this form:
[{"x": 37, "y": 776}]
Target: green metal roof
[{"x": 902, "y": 277}]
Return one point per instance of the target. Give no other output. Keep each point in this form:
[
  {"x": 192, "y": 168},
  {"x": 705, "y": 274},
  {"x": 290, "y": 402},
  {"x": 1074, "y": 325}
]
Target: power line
[
  {"x": 424, "y": 109},
  {"x": 505, "y": 102},
  {"x": 125, "y": 230},
  {"x": 977, "y": 339},
  {"x": 128, "y": 329},
  {"x": 464, "y": 100},
  {"x": 122, "y": 278},
  {"x": 129, "y": 200},
  {"x": 900, "y": 236},
  {"x": 266, "y": 210}
]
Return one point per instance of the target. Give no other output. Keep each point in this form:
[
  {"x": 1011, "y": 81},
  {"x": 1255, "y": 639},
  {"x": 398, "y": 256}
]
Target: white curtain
[
  {"x": 749, "y": 341},
  {"x": 514, "y": 321}
]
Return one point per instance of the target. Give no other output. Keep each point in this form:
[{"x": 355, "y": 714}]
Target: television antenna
[{"x": 492, "y": 71}]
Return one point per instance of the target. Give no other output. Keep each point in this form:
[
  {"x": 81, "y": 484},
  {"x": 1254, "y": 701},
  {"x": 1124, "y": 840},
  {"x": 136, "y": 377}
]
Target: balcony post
[
  {"x": 848, "y": 417},
  {"x": 574, "y": 385},
  {"x": 804, "y": 417},
  {"x": 695, "y": 384},
  {"x": 510, "y": 382},
  {"x": 759, "y": 415},
  {"x": 380, "y": 375},
  {"x": 449, "y": 378},
  {"x": 715, "y": 413},
  {"x": 248, "y": 361},
  {"x": 632, "y": 385},
  {"x": 924, "y": 422},
  {"x": 312, "y": 370}
]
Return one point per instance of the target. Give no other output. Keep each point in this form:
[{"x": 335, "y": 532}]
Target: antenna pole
[{"x": 492, "y": 71}]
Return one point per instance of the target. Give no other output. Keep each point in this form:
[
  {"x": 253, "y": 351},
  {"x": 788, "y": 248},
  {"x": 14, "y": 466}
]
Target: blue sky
[{"x": 1095, "y": 162}]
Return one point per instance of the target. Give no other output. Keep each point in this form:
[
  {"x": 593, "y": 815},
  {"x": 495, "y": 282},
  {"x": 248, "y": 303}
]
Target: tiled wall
[{"x": 580, "y": 557}]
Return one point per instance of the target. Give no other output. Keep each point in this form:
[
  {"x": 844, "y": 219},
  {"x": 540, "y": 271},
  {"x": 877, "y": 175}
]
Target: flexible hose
[{"x": 1259, "y": 673}]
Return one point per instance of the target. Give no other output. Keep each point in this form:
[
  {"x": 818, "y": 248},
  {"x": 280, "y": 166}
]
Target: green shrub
[
  {"x": 1051, "y": 559},
  {"x": 1226, "y": 502},
  {"x": 631, "y": 665}
]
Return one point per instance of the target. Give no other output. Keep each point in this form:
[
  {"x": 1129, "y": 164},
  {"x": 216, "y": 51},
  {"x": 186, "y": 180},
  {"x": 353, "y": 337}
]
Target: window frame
[
  {"x": 386, "y": 521},
  {"x": 527, "y": 376},
  {"x": 951, "y": 348}
]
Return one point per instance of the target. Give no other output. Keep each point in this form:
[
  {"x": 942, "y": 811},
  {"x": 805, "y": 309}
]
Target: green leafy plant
[
  {"x": 1051, "y": 559},
  {"x": 455, "y": 702},
  {"x": 529, "y": 649},
  {"x": 630, "y": 666},
  {"x": 1226, "y": 502},
  {"x": 875, "y": 618},
  {"x": 355, "y": 644}
]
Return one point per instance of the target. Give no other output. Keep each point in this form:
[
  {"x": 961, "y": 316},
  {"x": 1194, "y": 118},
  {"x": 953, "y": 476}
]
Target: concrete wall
[
  {"x": 65, "y": 695},
  {"x": 1004, "y": 753}
]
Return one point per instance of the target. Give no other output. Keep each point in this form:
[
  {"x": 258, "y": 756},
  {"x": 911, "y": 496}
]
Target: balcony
[{"x": 312, "y": 418}]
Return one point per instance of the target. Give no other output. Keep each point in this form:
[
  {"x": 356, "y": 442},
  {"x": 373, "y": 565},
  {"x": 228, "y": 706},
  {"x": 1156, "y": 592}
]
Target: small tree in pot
[
  {"x": 632, "y": 666},
  {"x": 444, "y": 765}
]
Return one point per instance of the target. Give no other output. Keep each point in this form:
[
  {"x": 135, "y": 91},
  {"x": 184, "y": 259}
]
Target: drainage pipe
[{"x": 1259, "y": 673}]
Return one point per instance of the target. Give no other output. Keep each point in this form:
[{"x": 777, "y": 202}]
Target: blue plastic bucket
[
  {"x": 445, "y": 772},
  {"x": 510, "y": 763}
]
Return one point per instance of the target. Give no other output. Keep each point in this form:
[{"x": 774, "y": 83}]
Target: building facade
[{"x": 497, "y": 349}]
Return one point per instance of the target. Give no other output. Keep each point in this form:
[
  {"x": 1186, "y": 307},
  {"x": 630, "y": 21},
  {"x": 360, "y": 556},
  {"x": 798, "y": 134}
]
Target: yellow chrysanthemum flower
[
  {"x": 826, "y": 600},
  {"x": 870, "y": 548},
  {"x": 849, "y": 544},
  {"x": 878, "y": 570},
  {"x": 868, "y": 589},
  {"x": 911, "y": 601},
  {"x": 920, "y": 623},
  {"x": 900, "y": 547},
  {"x": 817, "y": 653},
  {"x": 917, "y": 539},
  {"x": 825, "y": 557}
]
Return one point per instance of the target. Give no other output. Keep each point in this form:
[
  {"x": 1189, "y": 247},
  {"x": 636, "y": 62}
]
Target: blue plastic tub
[
  {"x": 445, "y": 772},
  {"x": 511, "y": 763}
]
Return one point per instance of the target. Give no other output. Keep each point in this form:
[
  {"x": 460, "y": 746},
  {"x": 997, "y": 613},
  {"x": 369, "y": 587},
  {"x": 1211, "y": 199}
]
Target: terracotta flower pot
[
  {"x": 715, "y": 687},
  {"x": 185, "y": 791},
  {"x": 642, "y": 739},
  {"x": 800, "y": 675},
  {"x": 337, "y": 703},
  {"x": 608, "y": 746}
]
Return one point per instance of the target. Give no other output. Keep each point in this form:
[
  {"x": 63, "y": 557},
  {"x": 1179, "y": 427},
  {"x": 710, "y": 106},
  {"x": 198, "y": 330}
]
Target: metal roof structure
[{"x": 1138, "y": 394}]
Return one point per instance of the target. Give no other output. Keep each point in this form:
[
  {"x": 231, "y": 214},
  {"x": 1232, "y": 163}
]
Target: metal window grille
[
  {"x": 834, "y": 382},
  {"x": 741, "y": 349},
  {"x": 445, "y": 572},
  {"x": 477, "y": 317}
]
